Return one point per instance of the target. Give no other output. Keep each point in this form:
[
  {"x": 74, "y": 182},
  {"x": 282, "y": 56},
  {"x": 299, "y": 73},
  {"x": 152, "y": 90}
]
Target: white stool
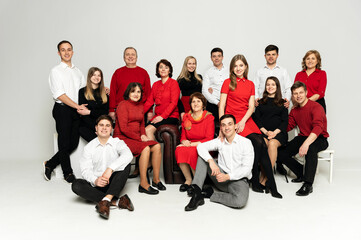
[{"x": 325, "y": 155}]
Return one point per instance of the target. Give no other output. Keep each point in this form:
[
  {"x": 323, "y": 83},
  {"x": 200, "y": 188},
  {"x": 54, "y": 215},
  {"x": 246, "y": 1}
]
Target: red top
[
  {"x": 201, "y": 130},
  {"x": 310, "y": 118},
  {"x": 315, "y": 83},
  {"x": 238, "y": 103},
  {"x": 120, "y": 81},
  {"x": 130, "y": 120},
  {"x": 165, "y": 97}
]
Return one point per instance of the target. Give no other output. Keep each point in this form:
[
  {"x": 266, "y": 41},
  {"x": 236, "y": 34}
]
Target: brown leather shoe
[
  {"x": 103, "y": 208},
  {"x": 125, "y": 203}
]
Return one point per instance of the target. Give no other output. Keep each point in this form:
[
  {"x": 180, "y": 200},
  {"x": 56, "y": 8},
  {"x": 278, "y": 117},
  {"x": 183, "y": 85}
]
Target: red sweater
[
  {"x": 315, "y": 83},
  {"x": 165, "y": 97},
  {"x": 130, "y": 120},
  {"x": 120, "y": 81},
  {"x": 310, "y": 118}
]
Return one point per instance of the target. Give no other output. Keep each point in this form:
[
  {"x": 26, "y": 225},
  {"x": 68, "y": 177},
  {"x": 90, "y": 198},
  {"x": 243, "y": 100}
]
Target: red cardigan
[
  {"x": 120, "y": 81},
  {"x": 165, "y": 97},
  {"x": 201, "y": 130}
]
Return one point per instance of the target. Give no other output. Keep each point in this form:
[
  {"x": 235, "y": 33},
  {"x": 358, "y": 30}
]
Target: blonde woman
[
  {"x": 96, "y": 100},
  {"x": 189, "y": 82}
]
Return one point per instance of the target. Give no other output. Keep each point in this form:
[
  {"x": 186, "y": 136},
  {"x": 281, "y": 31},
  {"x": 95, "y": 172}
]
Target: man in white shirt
[
  {"x": 105, "y": 167},
  {"x": 65, "y": 80},
  {"x": 272, "y": 69},
  {"x": 230, "y": 174},
  {"x": 213, "y": 81}
]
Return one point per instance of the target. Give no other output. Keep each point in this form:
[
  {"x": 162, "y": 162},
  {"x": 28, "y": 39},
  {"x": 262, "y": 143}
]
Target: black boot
[
  {"x": 207, "y": 192},
  {"x": 273, "y": 190},
  {"x": 196, "y": 200}
]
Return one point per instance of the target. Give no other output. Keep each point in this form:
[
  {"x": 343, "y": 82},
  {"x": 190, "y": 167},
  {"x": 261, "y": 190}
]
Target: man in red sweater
[
  {"x": 125, "y": 75},
  {"x": 311, "y": 120}
]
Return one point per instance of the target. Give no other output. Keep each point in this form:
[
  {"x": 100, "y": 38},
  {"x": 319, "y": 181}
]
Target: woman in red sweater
[
  {"x": 165, "y": 95},
  {"x": 130, "y": 128},
  {"x": 314, "y": 78},
  {"x": 197, "y": 127}
]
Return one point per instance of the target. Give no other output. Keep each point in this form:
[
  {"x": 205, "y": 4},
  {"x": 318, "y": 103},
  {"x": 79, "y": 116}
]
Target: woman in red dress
[
  {"x": 237, "y": 98},
  {"x": 130, "y": 128},
  {"x": 197, "y": 127},
  {"x": 314, "y": 78}
]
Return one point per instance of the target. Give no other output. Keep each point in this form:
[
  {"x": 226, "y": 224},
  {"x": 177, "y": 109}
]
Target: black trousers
[
  {"x": 322, "y": 102},
  {"x": 67, "y": 125},
  {"x": 87, "y": 133},
  {"x": 286, "y": 153},
  {"x": 213, "y": 108},
  {"x": 117, "y": 182}
]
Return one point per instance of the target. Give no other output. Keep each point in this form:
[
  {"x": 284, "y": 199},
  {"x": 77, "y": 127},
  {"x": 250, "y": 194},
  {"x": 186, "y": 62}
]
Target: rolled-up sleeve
[
  {"x": 125, "y": 157},
  {"x": 55, "y": 83}
]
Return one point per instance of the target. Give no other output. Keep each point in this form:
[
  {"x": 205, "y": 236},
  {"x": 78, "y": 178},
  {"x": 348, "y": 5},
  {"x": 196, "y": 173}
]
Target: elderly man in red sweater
[{"x": 311, "y": 120}]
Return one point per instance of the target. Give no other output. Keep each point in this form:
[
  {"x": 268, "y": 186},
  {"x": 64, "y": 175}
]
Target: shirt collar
[
  {"x": 215, "y": 68},
  {"x": 109, "y": 142},
  {"x": 64, "y": 65},
  {"x": 277, "y": 66},
  {"x": 235, "y": 139}
]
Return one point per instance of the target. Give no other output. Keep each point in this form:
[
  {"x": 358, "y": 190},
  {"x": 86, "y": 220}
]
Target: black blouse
[
  {"x": 188, "y": 88},
  {"x": 270, "y": 116},
  {"x": 97, "y": 108}
]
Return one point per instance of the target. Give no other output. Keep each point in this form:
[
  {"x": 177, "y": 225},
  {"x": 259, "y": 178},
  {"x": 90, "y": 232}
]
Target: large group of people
[{"x": 251, "y": 138}]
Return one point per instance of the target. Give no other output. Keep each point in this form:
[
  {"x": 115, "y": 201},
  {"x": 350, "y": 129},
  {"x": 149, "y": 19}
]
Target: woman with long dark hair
[{"x": 271, "y": 116}]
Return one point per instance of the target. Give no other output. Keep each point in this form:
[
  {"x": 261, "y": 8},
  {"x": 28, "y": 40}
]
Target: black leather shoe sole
[
  {"x": 150, "y": 190},
  {"x": 47, "y": 172}
]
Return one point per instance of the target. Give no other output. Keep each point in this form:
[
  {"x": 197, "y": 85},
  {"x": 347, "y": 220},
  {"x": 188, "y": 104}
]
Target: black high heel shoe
[{"x": 274, "y": 192}]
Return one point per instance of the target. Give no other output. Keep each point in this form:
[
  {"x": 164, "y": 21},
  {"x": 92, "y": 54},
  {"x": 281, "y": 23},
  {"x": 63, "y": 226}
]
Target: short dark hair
[
  {"x": 167, "y": 63},
  {"x": 298, "y": 84},
  {"x": 228, "y": 116},
  {"x": 217, "y": 49},
  {"x": 64, "y": 41},
  {"x": 131, "y": 87},
  {"x": 104, "y": 117},
  {"x": 199, "y": 96},
  {"x": 270, "y": 48}
]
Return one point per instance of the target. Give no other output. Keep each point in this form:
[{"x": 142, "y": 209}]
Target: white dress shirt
[
  {"x": 278, "y": 72},
  {"x": 214, "y": 78},
  {"x": 66, "y": 80},
  {"x": 234, "y": 158},
  {"x": 96, "y": 158}
]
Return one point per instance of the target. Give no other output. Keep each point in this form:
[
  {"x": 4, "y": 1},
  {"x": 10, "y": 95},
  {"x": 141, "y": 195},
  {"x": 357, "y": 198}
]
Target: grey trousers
[{"x": 233, "y": 193}]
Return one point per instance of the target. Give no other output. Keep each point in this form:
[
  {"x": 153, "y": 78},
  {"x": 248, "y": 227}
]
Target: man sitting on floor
[
  {"x": 105, "y": 167},
  {"x": 230, "y": 174},
  {"x": 310, "y": 118}
]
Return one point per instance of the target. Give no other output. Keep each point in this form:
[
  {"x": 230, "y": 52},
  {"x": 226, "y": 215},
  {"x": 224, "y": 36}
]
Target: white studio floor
[{"x": 32, "y": 208}]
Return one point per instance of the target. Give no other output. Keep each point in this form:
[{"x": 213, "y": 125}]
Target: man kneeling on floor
[
  {"x": 230, "y": 174},
  {"x": 105, "y": 167}
]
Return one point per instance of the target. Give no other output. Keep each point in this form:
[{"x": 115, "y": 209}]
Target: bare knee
[{"x": 156, "y": 148}]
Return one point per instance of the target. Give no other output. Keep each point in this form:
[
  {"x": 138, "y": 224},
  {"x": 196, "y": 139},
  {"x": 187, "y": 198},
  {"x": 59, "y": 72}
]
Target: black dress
[
  {"x": 97, "y": 108},
  {"x": 271, "y": 116}
]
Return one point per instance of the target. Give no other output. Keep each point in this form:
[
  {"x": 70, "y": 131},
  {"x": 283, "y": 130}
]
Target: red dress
[
  {"x": 130, "y": 126},
  {"x": 237, "y": 103},
  {"x": 194, "y": 131}
]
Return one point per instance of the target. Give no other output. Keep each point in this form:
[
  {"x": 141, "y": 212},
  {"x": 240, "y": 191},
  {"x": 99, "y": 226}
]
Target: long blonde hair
[
  {"x": 185, "y": 73},
  {"x": 232, "y": 75},
  {"x": 89, "y": 90}
]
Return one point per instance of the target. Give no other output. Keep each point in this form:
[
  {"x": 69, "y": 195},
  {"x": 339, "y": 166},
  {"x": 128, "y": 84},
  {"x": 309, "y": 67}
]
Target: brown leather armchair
[{"x": 169, "y": 135}]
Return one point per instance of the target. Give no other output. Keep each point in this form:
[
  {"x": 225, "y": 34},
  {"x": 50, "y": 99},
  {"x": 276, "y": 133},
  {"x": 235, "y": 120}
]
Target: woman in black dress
[
  {"x": 271, "y": 117},
  {"x": 98, "y": 103}
]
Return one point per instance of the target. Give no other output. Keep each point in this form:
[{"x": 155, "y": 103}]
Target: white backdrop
[{"x": 100, "y": 30}]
